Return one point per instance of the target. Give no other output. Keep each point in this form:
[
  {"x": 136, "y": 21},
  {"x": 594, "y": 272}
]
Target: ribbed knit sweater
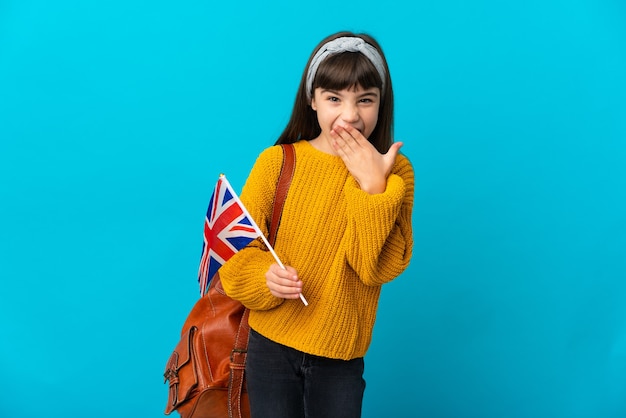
[{"x": 343, "y": 242}]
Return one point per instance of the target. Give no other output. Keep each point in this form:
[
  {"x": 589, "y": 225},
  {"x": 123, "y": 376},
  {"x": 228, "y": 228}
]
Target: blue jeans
[{"x": 287, "y": 383}]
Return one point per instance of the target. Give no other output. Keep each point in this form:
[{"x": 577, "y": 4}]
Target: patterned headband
[{"x": 343, "y": 44}]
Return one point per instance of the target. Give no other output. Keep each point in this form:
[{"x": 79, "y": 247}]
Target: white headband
[{"x": 343, "y": 44}]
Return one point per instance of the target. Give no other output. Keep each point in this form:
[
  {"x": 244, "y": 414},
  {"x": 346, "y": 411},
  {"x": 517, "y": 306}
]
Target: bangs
[{"x": 347, "y": 70}]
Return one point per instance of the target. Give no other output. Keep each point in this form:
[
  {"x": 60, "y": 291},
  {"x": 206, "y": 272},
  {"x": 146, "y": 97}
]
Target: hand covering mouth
[{"x": 346, "y": 126}]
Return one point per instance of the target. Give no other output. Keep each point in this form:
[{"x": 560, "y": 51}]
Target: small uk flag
[{"x": 227, "y": 229}]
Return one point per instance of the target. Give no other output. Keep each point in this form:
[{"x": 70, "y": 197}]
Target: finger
[
  {"x": 343, "y": 142},
  {"x": 287, "y": 296},
  {"x": 349, "y": 133},
  {"x": 394, "y": 149},
  {"x": 287, "y": 291},
  {"x": 340, "y": 145},
  {"x": 283, "y": 282},
  {"x": 390, "y": 156},
  {"x": 354, "y": 134},
  {"x": 283, "y": 285},
  {"x": 286, "y": 271}
]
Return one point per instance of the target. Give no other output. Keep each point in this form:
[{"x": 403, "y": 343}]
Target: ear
[{"x": 313, "y": 105}]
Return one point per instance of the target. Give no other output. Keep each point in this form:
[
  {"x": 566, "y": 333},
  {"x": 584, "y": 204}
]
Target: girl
[{"x": 345, "y": 231}]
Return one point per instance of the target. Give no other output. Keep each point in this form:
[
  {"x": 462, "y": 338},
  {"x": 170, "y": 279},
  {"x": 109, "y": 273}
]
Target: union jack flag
[{"x": 227, "y": 229}]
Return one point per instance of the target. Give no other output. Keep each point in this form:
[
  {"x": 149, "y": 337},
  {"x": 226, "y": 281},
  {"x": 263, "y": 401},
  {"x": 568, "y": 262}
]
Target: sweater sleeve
[
  {"x": 379, "y": 229},
  {"x": 243, "y": 275}
]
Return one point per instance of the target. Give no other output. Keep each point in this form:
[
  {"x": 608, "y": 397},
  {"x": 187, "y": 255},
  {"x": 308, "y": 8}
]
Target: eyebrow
[{"x": 366, "y": 93}]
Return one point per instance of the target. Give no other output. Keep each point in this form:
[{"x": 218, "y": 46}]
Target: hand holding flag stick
[{"x": 228, "y": 228}]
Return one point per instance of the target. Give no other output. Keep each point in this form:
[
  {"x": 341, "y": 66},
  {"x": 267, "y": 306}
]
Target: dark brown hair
[{"x": 338, "y": 72}]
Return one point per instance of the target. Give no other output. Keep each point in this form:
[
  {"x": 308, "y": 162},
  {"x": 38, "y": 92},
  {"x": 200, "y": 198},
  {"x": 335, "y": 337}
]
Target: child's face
[{"x": 357, "y": 107}]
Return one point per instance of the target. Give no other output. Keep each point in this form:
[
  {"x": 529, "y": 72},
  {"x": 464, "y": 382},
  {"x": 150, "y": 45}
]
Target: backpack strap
[{"x": 284, "y": 181}]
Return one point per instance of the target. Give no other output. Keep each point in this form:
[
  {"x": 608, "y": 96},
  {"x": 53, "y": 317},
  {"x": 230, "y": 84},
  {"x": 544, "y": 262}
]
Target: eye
[{"x": 333, "y": 98}]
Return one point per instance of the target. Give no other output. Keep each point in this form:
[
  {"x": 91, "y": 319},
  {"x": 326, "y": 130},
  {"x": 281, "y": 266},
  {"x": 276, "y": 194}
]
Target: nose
[{"x": 350, "y": 113}]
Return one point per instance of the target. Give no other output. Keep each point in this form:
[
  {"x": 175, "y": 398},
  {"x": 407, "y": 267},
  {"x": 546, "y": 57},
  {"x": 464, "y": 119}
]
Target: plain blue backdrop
[{"x": 116, "y": 117}]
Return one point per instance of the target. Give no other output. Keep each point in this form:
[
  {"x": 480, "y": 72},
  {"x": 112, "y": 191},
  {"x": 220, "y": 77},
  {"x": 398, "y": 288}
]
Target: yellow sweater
[{"x": 343, "y": 242}]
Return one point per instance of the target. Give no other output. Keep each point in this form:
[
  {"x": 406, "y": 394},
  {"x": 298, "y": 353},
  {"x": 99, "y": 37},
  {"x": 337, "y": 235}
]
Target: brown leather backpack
[{"x": 206, "y": 370}]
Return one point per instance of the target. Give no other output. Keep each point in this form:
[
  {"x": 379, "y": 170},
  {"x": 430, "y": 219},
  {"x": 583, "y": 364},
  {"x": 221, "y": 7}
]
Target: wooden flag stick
[{"x": 258, "y": 230}]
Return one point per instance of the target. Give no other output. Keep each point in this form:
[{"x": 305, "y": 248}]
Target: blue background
[{"x": 117, "y": 117}]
